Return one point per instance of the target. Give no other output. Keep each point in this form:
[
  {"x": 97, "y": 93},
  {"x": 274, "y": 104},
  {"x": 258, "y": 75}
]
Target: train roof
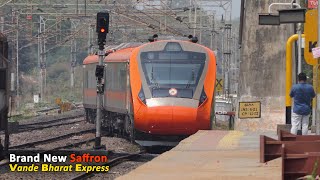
[
  {"x": 121, "y": 55},
  {"x": 125, "y": 51}
]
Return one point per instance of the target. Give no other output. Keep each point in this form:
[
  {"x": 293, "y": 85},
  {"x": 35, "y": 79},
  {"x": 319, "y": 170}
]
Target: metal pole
[
  {"x": 212, "y": 32},
  {"x": 165, "y": 19},
  {"x": 190, "y": 13},
  {"x": 102, "y": 30},
  {"x": 17, "y": 46},
  {"x": 2, "y": 24},
  {"x": 195, "y": 19},
  {"x": 45, "y": 61},
  {"x": 99, "y": 100},
  {"x": 317, "y": 97},
  {"x": 71, "y": 57},
  {"x": 85, "y": 7},
  {"x": 223, "y": 61},
  {"x": 39, "y": 64},
  {"x": 41, "y": 60},
  {"x": 211, "y": 41},
  {"x": 77, "y": 7},
  {"x": 299, "y": 45},
  {"x": 89, "y": 39},
  {"x": 73, "y": 49},
  {"x": 200, "y": 25}
]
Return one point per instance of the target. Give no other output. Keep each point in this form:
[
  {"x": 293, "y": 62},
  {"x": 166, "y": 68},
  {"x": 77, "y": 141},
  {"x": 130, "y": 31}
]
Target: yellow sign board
[
  {"x": 311, "y": 35},
  {"x": 249, "y": 110},
  {"x": 219, "y": 85}
]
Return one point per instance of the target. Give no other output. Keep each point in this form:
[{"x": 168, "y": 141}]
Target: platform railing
[{"x": 299, "y": 153}]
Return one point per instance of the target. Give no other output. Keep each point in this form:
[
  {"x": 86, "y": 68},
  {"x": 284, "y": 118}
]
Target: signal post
[{"x": 102, "y": 30}]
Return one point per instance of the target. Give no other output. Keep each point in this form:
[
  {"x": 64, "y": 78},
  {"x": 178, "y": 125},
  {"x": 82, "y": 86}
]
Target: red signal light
[{"x": 102, "y": 30}]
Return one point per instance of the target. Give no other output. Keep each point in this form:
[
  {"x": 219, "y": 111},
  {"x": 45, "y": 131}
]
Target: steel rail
[{"x": 30, "y": 144}]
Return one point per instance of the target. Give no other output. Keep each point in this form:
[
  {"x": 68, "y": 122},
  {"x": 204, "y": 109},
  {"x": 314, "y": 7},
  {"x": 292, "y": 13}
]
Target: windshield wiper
[
  {"x": 191, "y": 79},
  {"x": 154, "y": 79}
]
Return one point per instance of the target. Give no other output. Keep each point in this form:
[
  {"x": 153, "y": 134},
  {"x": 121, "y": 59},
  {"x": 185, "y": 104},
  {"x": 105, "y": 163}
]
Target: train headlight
[
  {"x": 142, "y": 96},
  {"x": 203, "y": 97}
]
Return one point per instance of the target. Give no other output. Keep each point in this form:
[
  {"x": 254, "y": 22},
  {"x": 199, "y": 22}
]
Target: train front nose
[
  {"x": 167, "y": 120},
  {"x": 172, "y": 77}
]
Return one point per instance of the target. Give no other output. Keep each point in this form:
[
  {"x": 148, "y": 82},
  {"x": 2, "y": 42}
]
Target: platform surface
[{"x": 211, "y": 155}]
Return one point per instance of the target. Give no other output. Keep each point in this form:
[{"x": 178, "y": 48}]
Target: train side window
[
  {"x": 91, "y": 79},
  {"x": 112, "y": 73},
  {"x": 116, "y": 76},
  {"x": 3, "y": 81},
  {"x": 108, "y": 77},
  {"x": 86, "y": 82},
  {"x": 123, "y": 78}
]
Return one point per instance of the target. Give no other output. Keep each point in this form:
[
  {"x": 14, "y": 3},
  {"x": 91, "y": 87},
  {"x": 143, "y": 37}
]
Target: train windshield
[{"x": 166, "y": 70}]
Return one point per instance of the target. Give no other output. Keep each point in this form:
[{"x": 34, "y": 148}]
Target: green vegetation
[
  {"x": 58, "y": 77},
  {"x": 314, "y": 175},
  {"x": 17, "y": 118}
]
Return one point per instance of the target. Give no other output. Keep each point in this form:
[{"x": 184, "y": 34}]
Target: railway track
[
  {"x": 32, "y": 144},
  {"x": 48, "y": 124},
  {"x": 52, "y": 121},
  {"x": 25, "y": 128}
]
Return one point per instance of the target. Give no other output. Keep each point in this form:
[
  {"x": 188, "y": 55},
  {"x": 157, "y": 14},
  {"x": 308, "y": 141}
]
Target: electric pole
[{"x": 73, "y": 49}]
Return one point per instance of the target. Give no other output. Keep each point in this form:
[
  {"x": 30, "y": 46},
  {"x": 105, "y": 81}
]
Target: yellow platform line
[
  {"x": 231, "y": 140},
  {"x": 188, "y": 142}
]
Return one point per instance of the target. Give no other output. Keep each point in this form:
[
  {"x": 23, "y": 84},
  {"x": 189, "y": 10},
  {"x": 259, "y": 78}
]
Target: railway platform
[{"x": 212, "y": 155}]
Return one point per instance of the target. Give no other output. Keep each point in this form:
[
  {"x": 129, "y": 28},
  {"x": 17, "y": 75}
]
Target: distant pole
[
  {"x": 17, "y": 56},
  {"x": 39, "y": 64},
  {"x": 72, "y": 63},
  {"x": 2, "y": 24},
  {"x": 44, "y": 61},
  {"x": 89, "y": 39},
  {"x": 299, "y": 30},
  {"x": 299, "y": 67},
  {"x": 165, "y": 18},
  {"x": 77, "y": 7},
  {"x": 73, "y": 53},
  {"x": 200, "y": 26},
  {"x": 85, "y": 7},
  {"x": 195, "y": 20},
  {"x": 42, "y": 58}
]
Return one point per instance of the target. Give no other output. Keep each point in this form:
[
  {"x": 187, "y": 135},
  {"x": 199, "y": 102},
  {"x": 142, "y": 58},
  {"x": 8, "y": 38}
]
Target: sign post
[
  {"x": 249, "y": 110},
  {"x": 311, "y": 36},
  {"x": 219, "y": 85}
]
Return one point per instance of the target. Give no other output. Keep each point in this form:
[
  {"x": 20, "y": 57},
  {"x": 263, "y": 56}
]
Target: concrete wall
[{"x": 262, "y": 67}]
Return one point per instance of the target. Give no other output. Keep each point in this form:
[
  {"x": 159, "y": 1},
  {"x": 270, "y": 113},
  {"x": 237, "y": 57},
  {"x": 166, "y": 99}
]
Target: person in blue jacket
[{"x": 302, "y": 93}]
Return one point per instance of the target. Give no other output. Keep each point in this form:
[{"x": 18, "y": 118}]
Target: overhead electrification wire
[{"x": 5, "y": 3}]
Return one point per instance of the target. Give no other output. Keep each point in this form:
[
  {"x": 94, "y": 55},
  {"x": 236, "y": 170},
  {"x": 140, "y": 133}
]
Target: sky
[{"x": 236, "y": 8}]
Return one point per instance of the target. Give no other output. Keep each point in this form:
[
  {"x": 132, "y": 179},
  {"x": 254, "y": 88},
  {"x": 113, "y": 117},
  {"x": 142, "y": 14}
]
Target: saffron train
[{"x": 155, "y": 93}]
